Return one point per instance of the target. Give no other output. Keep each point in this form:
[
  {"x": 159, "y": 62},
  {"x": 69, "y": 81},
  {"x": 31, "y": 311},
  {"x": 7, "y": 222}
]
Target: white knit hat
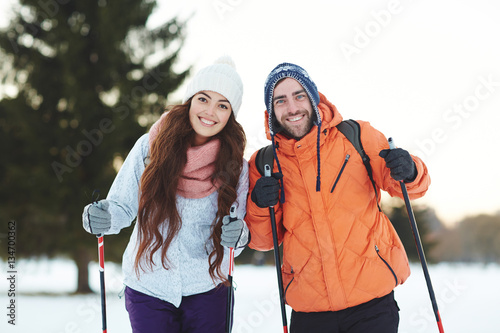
[{"x": 222, "y": 78}]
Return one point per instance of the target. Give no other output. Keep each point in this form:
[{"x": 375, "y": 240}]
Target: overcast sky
[{"x": 425, "y": 72}]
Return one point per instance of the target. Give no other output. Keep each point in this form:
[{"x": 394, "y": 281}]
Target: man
[{"x": 341, "y": 256}]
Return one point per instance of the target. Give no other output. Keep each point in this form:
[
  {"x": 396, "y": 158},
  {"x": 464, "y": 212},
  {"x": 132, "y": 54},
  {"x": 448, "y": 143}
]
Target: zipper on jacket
[
  {"x": 387, "y": 264},
  {"x": 340, "y": 173},
  {"x": 289, "y": 283}
]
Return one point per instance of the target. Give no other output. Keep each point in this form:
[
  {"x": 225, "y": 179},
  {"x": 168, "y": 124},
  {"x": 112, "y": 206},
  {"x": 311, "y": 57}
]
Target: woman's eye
[
  {"x": 202, "y": 99},
  {"x": 223, "y": 106}
]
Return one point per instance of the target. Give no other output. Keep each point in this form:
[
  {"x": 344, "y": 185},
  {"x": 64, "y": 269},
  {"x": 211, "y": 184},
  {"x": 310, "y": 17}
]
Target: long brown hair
[{"x": 157, "y": 202}]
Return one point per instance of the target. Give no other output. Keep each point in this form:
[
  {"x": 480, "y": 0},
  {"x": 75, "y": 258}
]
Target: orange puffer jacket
[{"x": 339, "y": 250}]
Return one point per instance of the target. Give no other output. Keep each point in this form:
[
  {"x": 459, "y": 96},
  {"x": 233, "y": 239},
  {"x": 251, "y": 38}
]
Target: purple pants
[{"x": 204, "y": 312}]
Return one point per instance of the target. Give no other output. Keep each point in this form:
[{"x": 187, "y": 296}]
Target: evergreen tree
[
  {"x": 427, "y": 224},
  {"x": 89, "y": 79},
  {"x": 479, "y": 237}
]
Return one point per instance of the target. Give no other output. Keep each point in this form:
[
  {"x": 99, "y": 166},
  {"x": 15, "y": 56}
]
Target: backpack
[{"x": 349, "y": 128}]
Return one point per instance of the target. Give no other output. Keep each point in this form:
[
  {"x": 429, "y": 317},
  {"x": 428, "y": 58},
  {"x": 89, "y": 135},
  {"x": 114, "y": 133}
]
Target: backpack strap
[
  {"x": 264, "y": 156},
  {"x": 352, "y": 131},
  {"x": 349, "y": 128}
]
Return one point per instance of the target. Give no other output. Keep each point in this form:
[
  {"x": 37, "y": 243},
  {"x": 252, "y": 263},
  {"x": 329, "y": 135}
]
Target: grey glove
[
  {"x": 234, "y": 233},
  {"x": 96, "y": 217}
]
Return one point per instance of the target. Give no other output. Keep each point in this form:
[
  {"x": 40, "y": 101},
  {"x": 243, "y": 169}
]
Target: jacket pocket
[
  {"x": 291, "y": 272},
  {"x": 340, "y": 172},
  {"x": 289, "y": 283},
  {"x": 387, "y": 264}
]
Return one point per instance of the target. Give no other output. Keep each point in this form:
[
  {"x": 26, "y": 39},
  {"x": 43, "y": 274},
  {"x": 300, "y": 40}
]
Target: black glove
[
  {"x": 401, "y": 164},
  {"x": 266, "y": 191}
]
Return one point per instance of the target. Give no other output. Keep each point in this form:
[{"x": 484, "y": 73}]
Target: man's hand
[
  {"x": 266, "y": 191},
  {"x": 401, "y": 164}
]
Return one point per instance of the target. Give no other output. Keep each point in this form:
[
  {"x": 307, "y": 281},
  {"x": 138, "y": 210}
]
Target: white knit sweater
[{"x": 188, "y": 252}]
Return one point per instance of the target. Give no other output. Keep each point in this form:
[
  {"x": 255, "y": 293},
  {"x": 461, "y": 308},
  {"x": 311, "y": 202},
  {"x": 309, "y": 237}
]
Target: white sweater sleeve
[{"x": 123, "y": 195}]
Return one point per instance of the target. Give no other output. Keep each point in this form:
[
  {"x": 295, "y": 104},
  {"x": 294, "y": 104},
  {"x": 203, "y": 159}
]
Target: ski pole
[
  {"x": 100, "y": 243},
  {"x": 100, "y": 240},
  {"x": 420, "y": 250},
  {"x": 277, "y": 261},
  {"x": 230, "y": 291}
]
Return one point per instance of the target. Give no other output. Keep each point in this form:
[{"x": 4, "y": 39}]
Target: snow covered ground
[{"x": 468, "y": 298}]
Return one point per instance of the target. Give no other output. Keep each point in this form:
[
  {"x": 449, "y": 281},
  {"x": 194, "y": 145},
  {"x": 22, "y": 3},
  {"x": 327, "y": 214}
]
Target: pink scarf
[{"x": 195, "y": 181}]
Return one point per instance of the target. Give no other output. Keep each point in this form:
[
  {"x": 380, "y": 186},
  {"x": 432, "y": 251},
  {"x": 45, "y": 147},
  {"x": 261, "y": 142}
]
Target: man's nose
[{"x": 292, "y": 106}]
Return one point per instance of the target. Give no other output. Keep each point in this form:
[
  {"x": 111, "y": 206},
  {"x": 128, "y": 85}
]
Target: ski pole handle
[
  {"x": 232, "y": 213},
  {"x": 392, "y": 145},
  {"x": 267, "y": 173},
  {"x": 229, "y": 310},
  {"x": 95, "y": 198},
  {"x": 232, "y": 217},
  {"x": 267, "y": 170}
]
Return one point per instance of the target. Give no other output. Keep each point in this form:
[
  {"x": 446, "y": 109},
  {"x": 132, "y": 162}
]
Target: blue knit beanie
[
  {"x": 298, "y": 73},
  {"x": 285, "y": 70}
]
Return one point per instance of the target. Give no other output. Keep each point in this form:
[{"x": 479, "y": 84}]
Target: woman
[{"x": 180, "y": 181}]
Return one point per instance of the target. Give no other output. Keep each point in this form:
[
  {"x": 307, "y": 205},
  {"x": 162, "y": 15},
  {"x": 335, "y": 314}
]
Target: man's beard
[{"x": 291, "y": 132}]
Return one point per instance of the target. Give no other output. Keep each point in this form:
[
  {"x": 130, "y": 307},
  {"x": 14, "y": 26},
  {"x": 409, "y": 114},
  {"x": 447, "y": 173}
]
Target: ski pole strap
[{"x": 94, "y": 198}]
